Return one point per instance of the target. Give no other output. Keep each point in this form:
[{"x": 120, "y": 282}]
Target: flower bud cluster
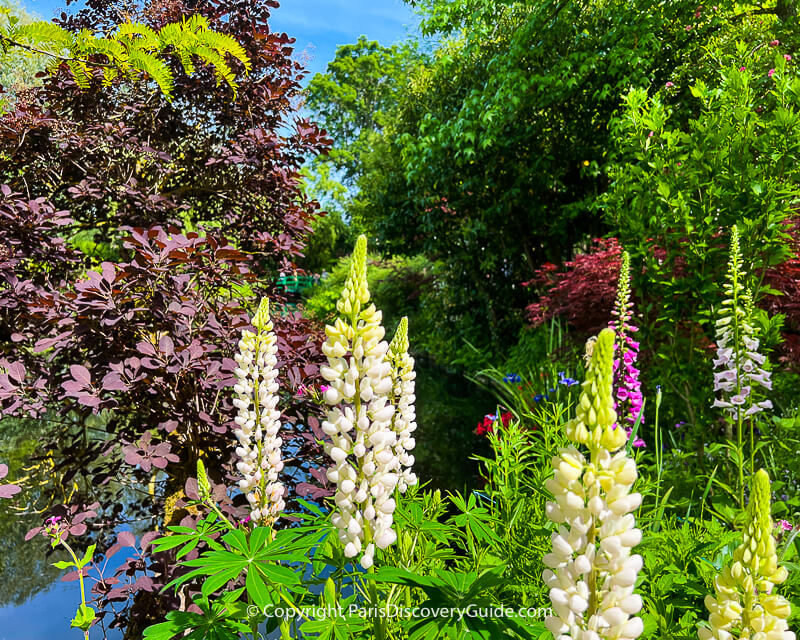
[
  {"x": 739, "y": 367},
  {"x": 743, "y": 604},
  {"x": 404, "y": 419},
  {"x": 629, "y": 399},
  {"x": 359, "y": 422},
  {"x": 258, "y": 420},
  {"x": 592, "y": 571}
]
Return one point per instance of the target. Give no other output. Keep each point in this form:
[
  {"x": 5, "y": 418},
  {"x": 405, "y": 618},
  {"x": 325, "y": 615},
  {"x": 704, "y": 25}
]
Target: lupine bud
[
  {"x": 203, "y": 485},
  {"x": 361, "y": 420},
  {"x": 743, "y": 605},
  {"x": 258, "y": 420},
  {"x": 592, "y": 572}
]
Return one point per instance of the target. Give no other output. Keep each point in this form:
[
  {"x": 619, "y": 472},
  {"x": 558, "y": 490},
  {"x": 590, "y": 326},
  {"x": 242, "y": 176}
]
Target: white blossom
[
  {"x": 592, "y": 570},
  {"x": 366, "y": 468},
  {"x": 258, "y": 420}
]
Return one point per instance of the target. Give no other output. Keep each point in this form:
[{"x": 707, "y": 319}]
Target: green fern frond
[
  {"x": 109, "y": 75},
  {"x": 186, "y": 61},
  {"x": 196, "y": 23},
  {"x": 111, "y": 49},
  {"x": 44, "y": 34},
  {"x": 221, "y": 68},
  {"x": 225, "y": 44},
  {"x": 80, "y": 73},
  {"x": 147, "y": 37},
  {"x": 170, "y": 35},
  {"x": 154, "y": 67}
]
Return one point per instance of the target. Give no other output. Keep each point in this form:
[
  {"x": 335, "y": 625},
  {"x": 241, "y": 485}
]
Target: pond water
[{"x": 36, "y": 605}]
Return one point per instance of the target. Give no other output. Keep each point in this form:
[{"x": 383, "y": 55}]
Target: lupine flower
[
  {"x": 404, "y": 418},
  {"x": 359, "y": 421},
  {"x": 591, "y": 571},
  {"x": 739, "y": 366},
  {"x": 512, "y": 378},
  {"x": 743, "y": 604},
  {"x": 629, "y": 398},
  {"x": 258, "y": 420}
]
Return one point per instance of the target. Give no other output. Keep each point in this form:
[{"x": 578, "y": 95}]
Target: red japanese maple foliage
[
  {"x": 583, "y": 292},
  {"x": 135, "y": 235},
  {"x": 785, "y": 278}
]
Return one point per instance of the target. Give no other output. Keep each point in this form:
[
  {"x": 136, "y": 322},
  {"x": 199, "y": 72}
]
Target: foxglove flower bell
[
  {"x": 258, "y": 419},
  {"x": 592, "y": 571}
]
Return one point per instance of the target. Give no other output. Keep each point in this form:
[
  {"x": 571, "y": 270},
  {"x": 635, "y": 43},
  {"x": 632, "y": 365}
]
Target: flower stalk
[
  {"x": 258, "y": 420},
  {"x": 360, "y": 421},
  {"x": 744, "y": 604},
  {"x": 591, "y": 571}
]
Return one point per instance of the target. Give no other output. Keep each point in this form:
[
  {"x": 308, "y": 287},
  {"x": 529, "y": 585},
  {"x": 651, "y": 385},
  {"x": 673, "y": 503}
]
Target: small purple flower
[{"x": 786, "y": 526}]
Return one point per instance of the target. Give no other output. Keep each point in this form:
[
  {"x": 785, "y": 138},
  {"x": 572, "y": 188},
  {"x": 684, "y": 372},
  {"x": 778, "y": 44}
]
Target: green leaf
[{"x": 84, "y": 617}]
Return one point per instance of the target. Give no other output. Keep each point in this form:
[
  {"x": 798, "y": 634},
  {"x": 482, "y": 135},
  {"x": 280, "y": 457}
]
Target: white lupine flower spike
[
  {"x": 366, "y": 467},
  {"x": 258, "y": 419},
  {"x": 592, "y": 571},
  {"x": 404, "y": 419},
  {"x": 744, "y": 604}
]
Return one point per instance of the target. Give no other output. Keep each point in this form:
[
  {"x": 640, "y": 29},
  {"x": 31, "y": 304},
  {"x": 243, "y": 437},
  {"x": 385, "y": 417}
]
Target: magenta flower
[
  {"x": 786, "y": 526},
  {"x": 669, "y": 85},
  {"x": 771, "y": 72},
  {"x": 774, "y": 43},
  {"x": 742, "y": 68},
  {"x": 628, "y": 394},
  {"x": 787, "y": 57}
]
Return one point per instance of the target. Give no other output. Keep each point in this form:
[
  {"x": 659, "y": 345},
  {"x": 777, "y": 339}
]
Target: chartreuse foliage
[{"x": 133, "y": 47}]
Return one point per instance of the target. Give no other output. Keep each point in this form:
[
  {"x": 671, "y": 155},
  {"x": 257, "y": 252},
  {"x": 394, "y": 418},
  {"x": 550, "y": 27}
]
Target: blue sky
[{"x": 318, "y": 25}]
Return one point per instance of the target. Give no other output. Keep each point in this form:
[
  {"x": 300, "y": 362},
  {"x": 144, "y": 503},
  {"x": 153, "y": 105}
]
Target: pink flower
[
  {"x": 638, "y": 442},
  {"x": 786, "y": 526},
  {"x": 323, "y": 388},
  {"x": 742, "y": 68},
  {"x": 669, "y": 85},
  {"x": 774, "y": 43},
  {"x": 771, "y": 73},
  {"x": 787, "y": 57}
]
